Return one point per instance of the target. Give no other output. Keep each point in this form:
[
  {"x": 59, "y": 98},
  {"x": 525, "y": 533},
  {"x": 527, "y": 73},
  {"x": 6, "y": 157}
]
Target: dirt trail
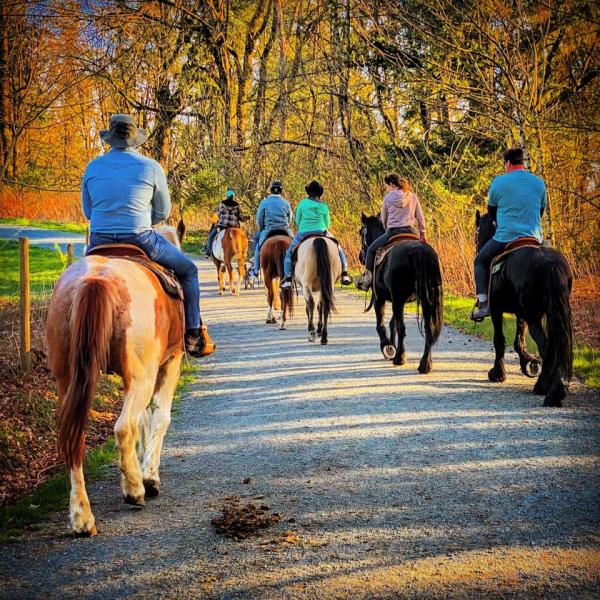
[{"x": 389, "y": 483}]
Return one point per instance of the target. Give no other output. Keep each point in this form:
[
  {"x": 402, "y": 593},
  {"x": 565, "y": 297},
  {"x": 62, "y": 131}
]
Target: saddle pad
[
  {"x": 401, "y": 238},
  {"x": 166, "y": 277},
  {"x": 217, "y": 249},
  {"x": 313, "y": 235}
]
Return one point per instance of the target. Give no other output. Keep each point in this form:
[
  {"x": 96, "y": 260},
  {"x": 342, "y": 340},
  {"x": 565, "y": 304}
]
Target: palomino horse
[
  {"x": 111, "y": 314},
  {"x": 318, "y": 267},
  {"x": 272, "y": 254},
  {"x": 230, "y": 244},
  {"x": 535, "y": 285},
  {"x": 410, "y": 271}
]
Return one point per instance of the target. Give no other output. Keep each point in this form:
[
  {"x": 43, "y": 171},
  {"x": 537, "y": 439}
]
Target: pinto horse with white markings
[
  {"x": 272, "y": 254},
  {"x": 112, "y": 315}
]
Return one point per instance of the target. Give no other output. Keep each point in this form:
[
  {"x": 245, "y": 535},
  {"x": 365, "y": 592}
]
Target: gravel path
[{"x": 389, "y": 483}]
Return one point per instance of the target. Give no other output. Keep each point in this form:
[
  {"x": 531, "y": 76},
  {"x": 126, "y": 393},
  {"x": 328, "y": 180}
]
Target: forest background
[{"x": 241, "y": 92}]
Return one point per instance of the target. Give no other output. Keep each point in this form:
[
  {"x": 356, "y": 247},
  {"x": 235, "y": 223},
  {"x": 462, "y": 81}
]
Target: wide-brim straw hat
[{"x": 122, "y": 132}]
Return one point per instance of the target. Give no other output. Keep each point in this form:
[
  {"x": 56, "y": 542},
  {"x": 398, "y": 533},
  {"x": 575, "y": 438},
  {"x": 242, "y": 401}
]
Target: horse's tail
[
  {"x": 559, "y": 323},
  {"x": 429, "y": 292},
  {"x": 287, "y": 297},
  {"x": 324, "y": 273},
  {"x": 91, "y": 327}
]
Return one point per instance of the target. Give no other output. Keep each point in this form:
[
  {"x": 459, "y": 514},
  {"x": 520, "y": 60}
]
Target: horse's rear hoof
[
  {"x": 283, "y": 326},
  {"x": 323, "y": 341},
  {"x": 424, "y": 370},
  {"x": 152, "y": 488},
  {"x": 388, "y": 352},
  {"x": 86, "y": 533},
  {"x": 135, "y": 501},
  {"x": 532, "y": 368},
  {"x": 496, "y": 376},
  {"x": 312, "y": 336}
]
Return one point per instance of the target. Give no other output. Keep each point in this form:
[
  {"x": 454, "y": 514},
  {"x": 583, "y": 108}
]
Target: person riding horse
[
  {"x": 312, "y": 217},
  {"x": 400, "y": 211},
  {"x": 274, "y": 214},
  {"x": 123, "y": 194},
  {"x": 229, "y": 215},
  {"x": 516, "y": 202}
]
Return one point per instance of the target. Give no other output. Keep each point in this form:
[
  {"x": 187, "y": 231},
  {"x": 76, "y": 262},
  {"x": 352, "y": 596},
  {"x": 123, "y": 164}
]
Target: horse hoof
[
  {"x": 495, "y": 376},
  {"x": 424, "y": 370},
  {"x": 137, "y": 501},
  {"x": 401, "y": 360},
  {"x": 388, "y": 351},
  {"x": 312, "y": 336},
  {"x": 86, "y": 533},
  {"x": 152, "y": 488},
  {"x": 532, "y": 368},
  {"x": 283, "y": 326},
  {"x": 323, "y": 341}
]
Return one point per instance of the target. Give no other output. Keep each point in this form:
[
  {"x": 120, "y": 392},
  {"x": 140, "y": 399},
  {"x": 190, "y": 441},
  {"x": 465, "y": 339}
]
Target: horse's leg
[
  {"x": 168, "y": 376},
  {"x": 220, "y": 269},
  {"x": 80, "y": 511},
  {"x": 320, "y": 323},
  {"x": 425, "y": 363},
  {"x": 539, "y": 335},
  {"x": 230, "y": 275},
  {"x": 138, "y": 392},
  {"x": 310, "y": 310},
  {"x": 323, "y": 319},
  {"x": 398, "y": 308},
  {"x": 241, "y": 270},
  {"x": 497, "y": 373},
  {"x": 528, "y": 362},
  {"x": 386, "y": 345}
]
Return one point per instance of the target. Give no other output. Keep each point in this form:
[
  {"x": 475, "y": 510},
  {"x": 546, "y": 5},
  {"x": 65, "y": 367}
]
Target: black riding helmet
[{"x": 277, "y": 187}]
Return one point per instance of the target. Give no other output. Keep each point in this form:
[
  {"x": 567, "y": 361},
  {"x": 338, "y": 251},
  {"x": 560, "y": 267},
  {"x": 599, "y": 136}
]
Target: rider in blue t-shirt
[{"x": 516, "y": 202}]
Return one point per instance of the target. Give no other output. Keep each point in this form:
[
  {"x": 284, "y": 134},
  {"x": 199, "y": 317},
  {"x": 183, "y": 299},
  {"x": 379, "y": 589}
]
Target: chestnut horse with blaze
[
  {"x": 272, "y": 254},
  {"x": 112, "y": 315},
  {"x": 229, "y": 245}
]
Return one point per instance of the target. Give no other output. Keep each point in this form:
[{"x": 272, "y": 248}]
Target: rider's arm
[
  {"x": 493, "y": 211},
  {"x": 384, "y": 215},
  {"x": 260, "y": 217},
  {"x": 161, "y": 201},
  {"x": 86, "y": 201},
  {"x": 420, "y": 218},
  {"x": 327, "y": 218},
  {"x": 299, "y": 215}
]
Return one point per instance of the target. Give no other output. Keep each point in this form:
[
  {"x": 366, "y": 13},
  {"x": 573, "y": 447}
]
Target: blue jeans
[
  {"x": 482, "y": 264},
  {"x": 166, "y": 254},
  {"x": 212, "y": 234},
  {"x": 259, "y": 240},
  {"x": 382, "y": 240},
  {"x": 287, "y": 261}
]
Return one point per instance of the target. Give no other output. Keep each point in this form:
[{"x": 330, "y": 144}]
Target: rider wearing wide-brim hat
[
  {"x": 123, "y": 195},
  {"x": 516, "y": 202},
  {"x": 274, "y": 214},
  {"x": 312, "y": 217}
]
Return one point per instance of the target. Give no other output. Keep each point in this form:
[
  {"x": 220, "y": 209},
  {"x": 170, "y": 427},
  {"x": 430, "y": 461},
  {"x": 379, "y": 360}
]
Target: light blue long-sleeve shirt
[
  {"x": 274, "y": 212},
  {"x": 123, "y": 191},
  {"x": 519, "y": 196}
]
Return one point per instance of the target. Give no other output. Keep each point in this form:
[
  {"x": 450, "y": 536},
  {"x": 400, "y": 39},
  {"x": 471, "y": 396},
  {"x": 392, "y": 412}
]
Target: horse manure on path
[{"x": 241, "y": 520}]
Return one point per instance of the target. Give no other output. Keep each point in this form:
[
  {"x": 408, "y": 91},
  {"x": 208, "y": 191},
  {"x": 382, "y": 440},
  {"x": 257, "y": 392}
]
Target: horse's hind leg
[
  {"x": 138, "y": 391},
  {"x": 310, "y": 311},
  {"x": 528, "y": 362},
  {"x": 324, "y": 318},
  {"x": 220, "y": 270},
  {"x": 386, "y": 344},
  {"x": 320, "y": 322},
  {"x": 497, "y": 373},
  {"x": 398, "y": 308},
  {"x": 539, "y": 335},
  {"x": 168, "y": 376}
]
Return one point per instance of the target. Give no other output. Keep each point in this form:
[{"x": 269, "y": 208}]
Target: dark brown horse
[{"x": 272, "y": 254}]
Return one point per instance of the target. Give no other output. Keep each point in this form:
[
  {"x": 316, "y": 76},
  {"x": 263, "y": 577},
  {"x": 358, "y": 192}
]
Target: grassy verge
[
  {"x": 45, "y": 267},
  {"x": 54, "y": 225},
  {"x": 194, "y": 242},
  {"x": 29, "y": 512}
]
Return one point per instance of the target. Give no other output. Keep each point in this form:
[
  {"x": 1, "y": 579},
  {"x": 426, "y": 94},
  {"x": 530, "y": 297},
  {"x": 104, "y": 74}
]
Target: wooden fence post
[
  {"x": 25, "y": 305},
  {"x": 70, "y": 255},
  {"x": 87, "y": 236}
]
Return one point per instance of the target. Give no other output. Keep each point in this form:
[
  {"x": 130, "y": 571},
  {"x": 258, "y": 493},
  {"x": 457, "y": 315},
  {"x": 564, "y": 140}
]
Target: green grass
[
  {"x": 45, "y": 267},
  {"x": 194, "y": 242},
  {"x": 53, "y": 495},
  {"x": 587, "y": 365},
  {"x": 55, "y": 225}
]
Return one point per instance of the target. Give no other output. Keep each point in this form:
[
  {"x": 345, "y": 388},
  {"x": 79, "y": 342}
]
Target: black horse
[
  {"x": 534, "y": 285},
  {"x": 411, "y": 270}
]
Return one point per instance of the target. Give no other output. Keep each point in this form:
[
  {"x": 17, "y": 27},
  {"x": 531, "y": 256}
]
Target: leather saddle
[
  {"x": 399, "y": 238},
  {"x": 522, "y": 242},
  {"x": 308, "y": 237},
  {"x": 274, "y": 232},
  {"x": 166, "y": 277}
]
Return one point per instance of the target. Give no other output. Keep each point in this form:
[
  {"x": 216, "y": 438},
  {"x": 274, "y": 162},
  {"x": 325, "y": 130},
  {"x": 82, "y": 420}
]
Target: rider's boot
[
  {"x": 482, "y": 311},
  {"x": 252, "y": 273},
  {"x": 365, "y": 281},
  {"x": 346, "y": 278},
  {"x": 198, "y": 343},
  {"x": 286, "y": 284}
]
